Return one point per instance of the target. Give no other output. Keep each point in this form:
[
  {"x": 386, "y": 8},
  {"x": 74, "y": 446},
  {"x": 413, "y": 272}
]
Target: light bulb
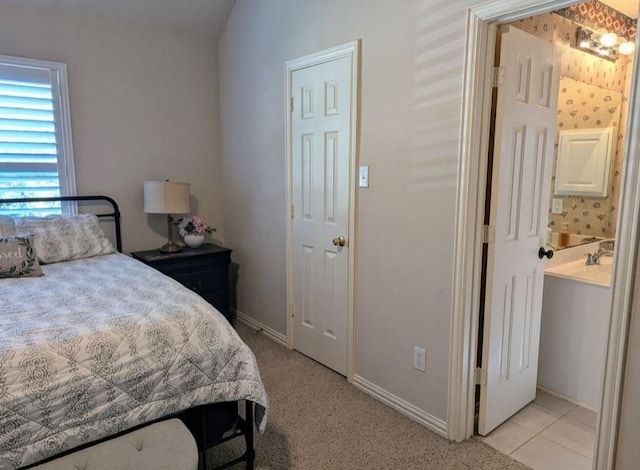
[
  {"x": 627, "y": 48},
  {"x": 609, "y": 39}
]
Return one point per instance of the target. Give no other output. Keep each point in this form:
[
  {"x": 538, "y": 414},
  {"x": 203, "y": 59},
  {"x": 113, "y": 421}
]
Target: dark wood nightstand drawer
[
  {"x": 191, "y": 265},
  {"x": 204, "y": 270},
  {"x": 204, "y": 281}
]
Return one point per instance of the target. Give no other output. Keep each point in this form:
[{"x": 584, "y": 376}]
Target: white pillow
[
  {"x": 7, "y": 226},
  {"x": 63, "y": 238}
]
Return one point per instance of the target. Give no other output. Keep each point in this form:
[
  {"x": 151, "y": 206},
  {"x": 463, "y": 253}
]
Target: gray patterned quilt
[{"x": 102, "y": 344}]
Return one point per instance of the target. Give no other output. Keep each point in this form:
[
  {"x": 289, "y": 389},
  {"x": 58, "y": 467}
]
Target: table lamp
[{"x": 167, "y": 197}]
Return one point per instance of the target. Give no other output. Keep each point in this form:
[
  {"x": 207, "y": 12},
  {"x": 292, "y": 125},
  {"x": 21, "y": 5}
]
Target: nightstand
[{"x": 204, "y": 270}]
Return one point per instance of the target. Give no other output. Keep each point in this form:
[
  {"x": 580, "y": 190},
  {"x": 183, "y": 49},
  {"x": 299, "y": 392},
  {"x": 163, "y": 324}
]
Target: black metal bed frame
[
  {"x": 115, "y": 214},
  {"x": 198, "y": 419},
  {"x": 243, "y": 428}
]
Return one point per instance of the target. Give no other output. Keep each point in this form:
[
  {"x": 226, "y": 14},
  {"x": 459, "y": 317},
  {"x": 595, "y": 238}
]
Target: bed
[{"x": 104, "y": 344}]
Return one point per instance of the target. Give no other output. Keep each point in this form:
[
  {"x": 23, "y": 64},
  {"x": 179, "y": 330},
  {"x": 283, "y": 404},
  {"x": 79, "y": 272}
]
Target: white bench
[{"x": 166, "y": 445}]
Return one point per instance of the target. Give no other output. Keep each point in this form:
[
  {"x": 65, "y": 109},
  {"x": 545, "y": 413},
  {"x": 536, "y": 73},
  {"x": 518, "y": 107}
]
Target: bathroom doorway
[{"x": 593, "y": 94}]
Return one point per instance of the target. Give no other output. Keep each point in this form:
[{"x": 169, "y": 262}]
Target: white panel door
[
  {"x": 321, "y": 133},
  {"x": 520, "y": 191}
]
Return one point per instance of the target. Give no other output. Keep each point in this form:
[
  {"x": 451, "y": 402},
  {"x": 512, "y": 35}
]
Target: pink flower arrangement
[{"x": 193, "y": 225}]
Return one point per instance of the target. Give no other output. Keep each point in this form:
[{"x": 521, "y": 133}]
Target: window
[{"x": 36, "y": 158}]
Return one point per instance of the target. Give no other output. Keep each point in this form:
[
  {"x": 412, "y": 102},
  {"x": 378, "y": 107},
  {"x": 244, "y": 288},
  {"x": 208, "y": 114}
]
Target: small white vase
[{"x": 193, "y": 240}]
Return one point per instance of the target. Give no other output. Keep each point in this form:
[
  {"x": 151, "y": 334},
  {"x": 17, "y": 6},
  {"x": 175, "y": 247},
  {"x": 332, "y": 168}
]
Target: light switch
[
  {"x": 557, "y": 206},
  {"x": 364, "y": 176}
]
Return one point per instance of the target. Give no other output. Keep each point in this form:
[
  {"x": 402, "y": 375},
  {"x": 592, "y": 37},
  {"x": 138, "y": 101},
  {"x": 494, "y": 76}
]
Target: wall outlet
[
  {"x": 419, "y": 359},
  {"x": 557, "y": 206}
]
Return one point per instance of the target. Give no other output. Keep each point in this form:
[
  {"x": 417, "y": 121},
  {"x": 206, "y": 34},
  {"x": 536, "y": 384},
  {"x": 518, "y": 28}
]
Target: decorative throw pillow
[
  {"x": 63, "y": 238},
  {"x": 7, "y": 226},
  {"x": 18, "y": 258}
]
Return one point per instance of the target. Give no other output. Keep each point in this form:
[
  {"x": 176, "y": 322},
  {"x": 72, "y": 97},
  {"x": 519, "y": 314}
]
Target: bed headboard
[{"x": 115, "y": 214}]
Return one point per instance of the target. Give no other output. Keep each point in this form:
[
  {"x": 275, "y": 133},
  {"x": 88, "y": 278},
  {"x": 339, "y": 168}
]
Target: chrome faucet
[{"x": 595, "y": 257}]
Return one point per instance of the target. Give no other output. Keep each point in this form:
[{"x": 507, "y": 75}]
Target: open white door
[
  {"x": 520, "y": 191},
  {"x": 320, "y": 172}
]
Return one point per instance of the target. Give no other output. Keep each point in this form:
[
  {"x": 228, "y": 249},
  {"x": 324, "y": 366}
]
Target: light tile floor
[{"x": 548, "y": 434}]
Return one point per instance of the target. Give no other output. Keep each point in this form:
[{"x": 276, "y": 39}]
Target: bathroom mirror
[{"x": 593, "y": 113}]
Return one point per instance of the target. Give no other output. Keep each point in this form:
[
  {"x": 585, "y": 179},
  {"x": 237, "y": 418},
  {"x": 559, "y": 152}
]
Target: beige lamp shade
[{"x": 166, "y": 197}]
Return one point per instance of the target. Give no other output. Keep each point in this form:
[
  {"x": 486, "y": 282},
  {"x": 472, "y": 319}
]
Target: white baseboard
[
  {"x": 569, "y": 399},
  {"x": 266, "y": 330},
  {"x": 430, "y": 422}
]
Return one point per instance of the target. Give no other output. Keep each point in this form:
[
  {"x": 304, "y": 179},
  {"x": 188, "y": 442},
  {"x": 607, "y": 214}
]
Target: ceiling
[
  {"x": 628, "y": 7},
  {"x": 202, "y": 17}
]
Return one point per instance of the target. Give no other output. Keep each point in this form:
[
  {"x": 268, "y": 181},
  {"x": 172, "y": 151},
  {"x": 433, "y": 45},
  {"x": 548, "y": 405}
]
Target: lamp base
[{"x": 171, "y": 248}]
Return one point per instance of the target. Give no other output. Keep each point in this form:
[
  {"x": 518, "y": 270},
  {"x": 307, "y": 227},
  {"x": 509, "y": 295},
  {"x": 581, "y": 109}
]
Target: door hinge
[
  {"x": 291, "y": 104},
  {"x": 293, "y": 211},
  {"x": 480, "y": 376},
  {"x": 291, "y": 310},
  {"x": 498, "y": 77},
  {"x": 488, "y": 234}
]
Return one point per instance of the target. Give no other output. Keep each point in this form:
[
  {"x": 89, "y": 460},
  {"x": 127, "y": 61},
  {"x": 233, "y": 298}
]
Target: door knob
[
  {"x": 340, "y": 241},
  {"x": 542, "y": 253}
]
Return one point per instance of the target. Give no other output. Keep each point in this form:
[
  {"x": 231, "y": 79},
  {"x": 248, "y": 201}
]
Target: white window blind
[{"x": 36, "y": 159}]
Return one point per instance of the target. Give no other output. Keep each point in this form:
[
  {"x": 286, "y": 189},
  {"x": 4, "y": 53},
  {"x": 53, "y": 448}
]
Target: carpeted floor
[{"x": 318, "y": 421}]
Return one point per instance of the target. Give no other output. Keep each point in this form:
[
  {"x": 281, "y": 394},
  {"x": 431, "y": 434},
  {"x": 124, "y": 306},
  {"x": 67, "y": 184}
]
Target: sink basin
[{"x": 599, "y": 274}]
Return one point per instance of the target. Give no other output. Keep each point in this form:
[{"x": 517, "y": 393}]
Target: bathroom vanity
[{"x": 575, "y": 321}]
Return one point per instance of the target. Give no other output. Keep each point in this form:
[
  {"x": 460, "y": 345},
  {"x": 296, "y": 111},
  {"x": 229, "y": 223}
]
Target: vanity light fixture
[
  {"x": 603, "y": 43},
  {"x": 627, "y": 48}
]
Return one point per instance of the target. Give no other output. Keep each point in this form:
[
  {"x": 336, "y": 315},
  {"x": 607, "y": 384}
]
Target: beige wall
[
  {"x": 410, "y": 124},
  {"x": 143, "y": 106}
]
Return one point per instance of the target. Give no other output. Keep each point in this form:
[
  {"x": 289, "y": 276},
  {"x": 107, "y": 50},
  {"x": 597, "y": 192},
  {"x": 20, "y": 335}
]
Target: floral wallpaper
[
  {"x": 585, "y": 106},
  {"x": 597, "y": 79},
  {"x": 620, "y": 151}
]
